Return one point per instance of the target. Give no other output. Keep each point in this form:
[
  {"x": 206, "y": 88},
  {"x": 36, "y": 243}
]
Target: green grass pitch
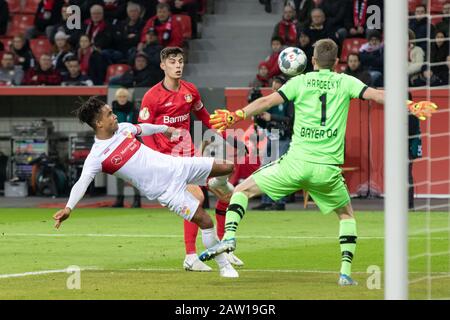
[{"x": 138, "y": 254}]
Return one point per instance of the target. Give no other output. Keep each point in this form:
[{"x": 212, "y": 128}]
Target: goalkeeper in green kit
[{"x": 321, "y": 100}]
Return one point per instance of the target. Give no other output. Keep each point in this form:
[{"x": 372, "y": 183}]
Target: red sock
[
  {"x": 190, "y": 236},
  {"x": 221, "y": 208}
]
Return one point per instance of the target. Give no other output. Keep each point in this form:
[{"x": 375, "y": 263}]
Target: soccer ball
[{"x": 292, "y": 61}]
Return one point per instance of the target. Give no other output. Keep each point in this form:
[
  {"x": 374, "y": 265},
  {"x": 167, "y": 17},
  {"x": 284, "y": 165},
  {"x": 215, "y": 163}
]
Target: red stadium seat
[
  {"x": 116, "y": 70},
  {"x": 437, "y": 5},
  {"x": 19, "y": 24},
  {"x": 31, "y": 6},
  {"x": 14, "y": 6},
  {"x": 186, "y": 25},
  {"x": 340, "y": 67},
  {"x": 351, "y": 45},
  {"x": 412, "y": 4},
  {"x": 40, "y": 46}
]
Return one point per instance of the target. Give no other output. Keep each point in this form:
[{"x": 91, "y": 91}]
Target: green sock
[
  {"x": 347, "y": 239},
  {"x": 235, "y": 213}
]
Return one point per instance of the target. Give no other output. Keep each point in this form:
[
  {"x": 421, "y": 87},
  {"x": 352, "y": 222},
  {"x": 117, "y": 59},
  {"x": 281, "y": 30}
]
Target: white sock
[{"x": 210, "y": 239}]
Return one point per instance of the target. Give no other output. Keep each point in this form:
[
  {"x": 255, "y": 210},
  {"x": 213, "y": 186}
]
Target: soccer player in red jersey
[{"x": 171, "y": 102}]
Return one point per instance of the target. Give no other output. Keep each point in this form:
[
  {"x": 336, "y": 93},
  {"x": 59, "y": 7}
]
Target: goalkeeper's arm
[
  {"x": 374, "y": 95},
  {"x": 262, "y": 104}
]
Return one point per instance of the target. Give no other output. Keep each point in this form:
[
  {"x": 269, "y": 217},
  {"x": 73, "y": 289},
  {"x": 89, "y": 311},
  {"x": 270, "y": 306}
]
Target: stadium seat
[
  {"x": 412, "y": 4},
  {"x": 436, "y": 5},
  {"x": 40, "y": 46},
  {"x": 14, "y": 6},
  {"x": 340, "y": 67},
  {"x": 351, "y": 45},
  {"x": 19, "y": 24},
  {"x": 30, "y": 6},
  {"x": 116, "y": 70},
  {"x": 186, "y": 25}
]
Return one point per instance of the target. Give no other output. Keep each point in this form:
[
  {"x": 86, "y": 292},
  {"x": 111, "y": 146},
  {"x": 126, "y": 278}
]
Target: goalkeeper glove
[
  {"x": 421, "y": 109},
  {"x": 222, "y": 119}
]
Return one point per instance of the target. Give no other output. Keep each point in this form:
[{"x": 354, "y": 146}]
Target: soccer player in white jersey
[{"x": 158, "y": 176}]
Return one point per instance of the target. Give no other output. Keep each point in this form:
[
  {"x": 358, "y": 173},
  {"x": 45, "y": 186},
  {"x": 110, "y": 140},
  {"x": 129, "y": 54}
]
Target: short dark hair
[
  {"x": 276, "y": 38},
  {"x": 356, "y": 54},
  {"x": 325, "y": 53},
  {"x": 162, "y": 5},
  {"x": 89, "y": 111},
  {"x": 70, "y": 58},
  {"x": 168, "y": 51}
]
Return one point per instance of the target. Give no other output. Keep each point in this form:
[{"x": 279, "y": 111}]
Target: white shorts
[{"x": 194, "y": 170}]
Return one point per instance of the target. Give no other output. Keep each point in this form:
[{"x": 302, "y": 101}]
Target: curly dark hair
[{"x": 90, "y": 110}]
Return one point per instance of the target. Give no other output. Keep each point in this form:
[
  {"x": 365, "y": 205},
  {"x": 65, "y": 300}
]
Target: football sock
[
  {"x": 190, "y": 236},
  {"x": 347, "y": 240},
  {"x": 209, "y": 240},
  {"x": 235, "y": 213},
  {"x": 220, "y": 223}
]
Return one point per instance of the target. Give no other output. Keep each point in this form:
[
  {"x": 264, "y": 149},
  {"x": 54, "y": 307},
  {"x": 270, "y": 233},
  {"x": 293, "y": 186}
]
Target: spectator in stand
[
  {"x": 152, "y": 49},
  {"x": 97, "y": 29},
  {"x": 356, "y": 17},
  {"x": 426, "y": 78},
  {"x": 444, "y": 25},
  {"x": 91, "y": 61},
  {"x": 127, "y": 33},
  {"x": 416, "y": 58},
  {"x": 48, "y": 13},
  {"x": 318, "y": 28},
  {"x": 272, "y": 60},
  {"x": 23, "y": 55},
  {"x": 262, "y": 78},
  {"x": 439, "y": 52},
  {"x": 115, "y": 10},
  {"x": 446, "y": 76},
  {"x": 303, "y": 10},
  {"x": 42, "y": 75},
  {"x": 287, "y": 28},
  {"x": 355, "y": 69},
  {"x": 168, "y": 29},
  {"x": 148, "y": 8},
  {"x": 4, "y": 16},
  {"x": 73, "y": 34},
  {"x": 139, "y": 76},
  {"x": 420, "y": 26},
  {"x": 74, "y": 76},
  {"x": 267, "y": 5},
  {"x": 304, "y": 43},
  {"x": 125, "y": 111},
  {"x": 10, "y": 74},
  {"x": 60, "y": 51},
  {"x": 277, "y": 123},
  {"x": 190, "y": 7},
  {"x": 336, "y": 13},
  {"x": 371, "y": 55}
]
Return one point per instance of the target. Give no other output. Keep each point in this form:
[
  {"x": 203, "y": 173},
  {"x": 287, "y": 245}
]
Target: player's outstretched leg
[
  {"x": 235, "y": 212},
  {"x": 191, "y": 261},
  {"x": 204, "y": 221},
  {"x": 347, "y": 240}
]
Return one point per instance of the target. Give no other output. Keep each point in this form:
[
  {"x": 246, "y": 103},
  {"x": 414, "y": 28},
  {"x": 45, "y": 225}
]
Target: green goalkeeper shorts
[{"x": 287, "y": 175}]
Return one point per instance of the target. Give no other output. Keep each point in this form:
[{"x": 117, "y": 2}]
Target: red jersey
[{"x": 172, "y": 108}]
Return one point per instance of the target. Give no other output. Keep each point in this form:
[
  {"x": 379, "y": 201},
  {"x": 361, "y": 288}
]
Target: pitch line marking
[
  {"x": 43, "y": 272},
  {"x": 181, "y": 236}
]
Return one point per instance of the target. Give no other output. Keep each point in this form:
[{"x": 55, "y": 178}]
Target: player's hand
[
  {"x": 422, "y": 109},
  {"x": 60, "y": 216},
  {"x": 222, "y": 119},
  {"x": 172, "y": 133}
]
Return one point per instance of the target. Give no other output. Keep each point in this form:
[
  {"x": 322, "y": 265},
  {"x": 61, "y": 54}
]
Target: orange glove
[
  {"x": 421, "y": 109},
  {"x": 222, "y": 119}
]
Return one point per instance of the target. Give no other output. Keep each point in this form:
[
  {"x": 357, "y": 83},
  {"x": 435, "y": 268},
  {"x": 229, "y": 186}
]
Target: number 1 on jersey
[{"x": 323, "y": 99}]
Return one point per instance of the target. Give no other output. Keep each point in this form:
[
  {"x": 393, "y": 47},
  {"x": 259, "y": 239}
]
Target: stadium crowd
[
  {"x": 361, "y": 49},
  {"x": 118, "y": 43}
]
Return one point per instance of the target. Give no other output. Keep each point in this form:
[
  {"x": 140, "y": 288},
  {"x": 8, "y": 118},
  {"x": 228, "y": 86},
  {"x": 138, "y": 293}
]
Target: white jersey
[{"x": 127, "y": 158}]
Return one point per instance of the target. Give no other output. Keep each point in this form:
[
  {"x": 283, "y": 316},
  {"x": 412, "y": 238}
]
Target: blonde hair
[
  {"x": 325, "y": 53},
  {"x": 122, "y": 91}
]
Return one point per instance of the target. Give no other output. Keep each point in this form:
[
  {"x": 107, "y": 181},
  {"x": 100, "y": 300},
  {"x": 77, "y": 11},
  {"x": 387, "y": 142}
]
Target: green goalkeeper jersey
[{"x": 321, "y": 99}]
